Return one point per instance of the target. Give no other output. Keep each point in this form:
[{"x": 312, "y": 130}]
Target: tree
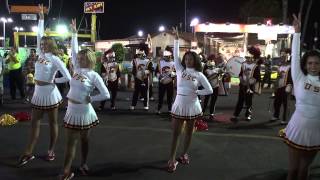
[
  {"x": 261, "y": 8},
  {"x": 119, "y": 51}
]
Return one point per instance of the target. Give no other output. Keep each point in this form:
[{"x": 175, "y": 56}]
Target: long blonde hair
[
  {"x": 90, "y": 57},
  {"x": 52, "y": 45}
]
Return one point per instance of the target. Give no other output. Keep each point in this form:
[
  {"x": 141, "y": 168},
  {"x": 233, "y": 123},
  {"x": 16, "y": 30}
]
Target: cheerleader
[
  {"x": 283, "y": 87},
  {"x": 249, "y": 78},
  {"x": 302, "y": 132},
  {"x": 186, "y": 107},
  {"x": 46, "y": 97},
  {"x": 80, "y": 116},
  {"x": 214, "y": 76},
  {"x": 110, "y": 72},
  {"x": 166, "y": 75},
  {"x": 141, "y": 70}
]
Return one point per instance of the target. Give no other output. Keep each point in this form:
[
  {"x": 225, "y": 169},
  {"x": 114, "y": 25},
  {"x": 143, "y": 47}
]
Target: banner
[{"x": 94, "y": 7}]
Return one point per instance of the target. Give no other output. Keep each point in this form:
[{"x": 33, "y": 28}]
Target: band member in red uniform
[
  {"x": 141, "y": 70},
  {"x": 249, "y": 78},
  {"x": 214, "y": 76},
  {"x": 283, "y": 90},
  {"x": 166, "y": 75},
  {"x": 110, "y": 72}
]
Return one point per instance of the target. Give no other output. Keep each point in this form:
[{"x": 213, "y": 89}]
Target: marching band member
[
  {"x": 165, "y": 72},
  {"x": 80, "y": 116},
  {"x": 46, "y": 97},
  {"x": 141, "y": 69},
  {"x": 111, "y": 74},
  {"x": 302, "y": 132},
  {"x": 249, "y": 78},
  {"x": 283, "y": 87},
  {"x": 186, "y": 107},
  {"x": 214, "y": 76}
]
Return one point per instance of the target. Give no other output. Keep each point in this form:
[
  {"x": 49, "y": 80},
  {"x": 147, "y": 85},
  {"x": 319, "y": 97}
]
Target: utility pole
[{"x": 185, "y": 15}]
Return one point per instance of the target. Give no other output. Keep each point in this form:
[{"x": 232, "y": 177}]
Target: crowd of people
[{"x": 190, "y": 78}]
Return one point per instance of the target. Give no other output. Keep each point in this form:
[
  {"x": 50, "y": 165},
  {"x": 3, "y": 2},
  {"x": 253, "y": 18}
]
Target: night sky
[{"x": 123, "y": 18}]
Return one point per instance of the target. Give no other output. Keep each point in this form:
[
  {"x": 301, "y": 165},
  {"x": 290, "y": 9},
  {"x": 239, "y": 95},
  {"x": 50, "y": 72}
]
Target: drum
[{"x": 233, "y": 66}]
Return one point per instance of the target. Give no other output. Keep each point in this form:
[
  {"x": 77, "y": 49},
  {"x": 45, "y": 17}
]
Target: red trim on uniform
[
  {"x": 47, "y": 107},
  {"x": 186, "y": 117},
  {"x": 297, "y": 146},
  {"x": 80, "y": 127}
]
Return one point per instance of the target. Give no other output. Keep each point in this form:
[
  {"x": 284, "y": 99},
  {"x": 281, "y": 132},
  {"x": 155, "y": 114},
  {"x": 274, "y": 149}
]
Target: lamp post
[
  {"x": 4, "y": 21},
  {"x": 194, "y": 22}
]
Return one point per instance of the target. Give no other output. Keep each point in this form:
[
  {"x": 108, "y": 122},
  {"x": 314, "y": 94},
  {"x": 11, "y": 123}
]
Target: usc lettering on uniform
[
  {"x": 310, "y": 87},
  {"x": 187, "y": 76},
  {"x": 43, "y": 61},
  {"x": 77, "y": 76}
]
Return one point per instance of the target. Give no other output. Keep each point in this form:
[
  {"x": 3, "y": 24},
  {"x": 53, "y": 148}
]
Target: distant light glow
[
  {"x": 162, "y": 28},
  {"x": 34, "y": 28},
  {"x": 61, "y": 29},
  {"x": 140, "y": 33},
  {"x": 194, "y": 22}
]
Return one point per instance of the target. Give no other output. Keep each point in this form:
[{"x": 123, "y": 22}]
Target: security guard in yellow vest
[{"x": 15, "y": 73}]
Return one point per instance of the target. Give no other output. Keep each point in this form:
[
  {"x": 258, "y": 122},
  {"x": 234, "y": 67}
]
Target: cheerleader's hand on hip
[
  {"x": 88, "y": 99},
  {"x": 288, "y": 88}
]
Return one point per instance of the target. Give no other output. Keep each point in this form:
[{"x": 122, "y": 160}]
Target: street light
[
  {"x": 4, "y": 21},
  {"x": 140, "y": 33},
  {"x": 18, "y": 28},
  {"x": 161, "y": 28}
]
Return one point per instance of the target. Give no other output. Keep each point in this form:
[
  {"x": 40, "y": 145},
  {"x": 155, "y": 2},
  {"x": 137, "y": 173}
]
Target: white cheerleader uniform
[
  {"x": 81, "y": 115},
  {"x": 186, "y": 105},
  {"x": 303, "y": 130},
  {"x": 47, "y": 96}
]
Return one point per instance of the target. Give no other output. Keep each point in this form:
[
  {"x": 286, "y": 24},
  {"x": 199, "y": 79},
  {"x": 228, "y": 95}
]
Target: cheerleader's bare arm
[
  {"x": 177, "y": 62},
  {"x": 104, "y": 93},
  {"x": 207, "y": 89}
]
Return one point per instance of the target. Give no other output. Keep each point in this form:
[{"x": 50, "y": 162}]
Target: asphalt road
[{"x": 135, "y": 145}]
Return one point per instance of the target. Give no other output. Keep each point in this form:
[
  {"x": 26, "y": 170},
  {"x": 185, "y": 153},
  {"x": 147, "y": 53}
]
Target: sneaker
[
  {"x": 25, "y": 159},
  {"x": 248, "y": 118},
  {"x": 50, "y": 156},
  {"x": 172, "y": 166},
  {"x": 84, "y": 169},
  {"x": 141, "y": 99},
  {"x": 146, "y": 108},
  {"x": 184, "y": 159},
  {"x": 283, "y": 123},
  {"x": 151, "y": 99},
  {"x": 274, "y": 119},
  {"x": 211, "y": 117},
  {"x": 234, "y": 119},
  {"x": 158, "y": 112},
  {"x": 67, "y": 176},
  {"x": 113, "y": 108},
  {"x": 131, "y": 107}
]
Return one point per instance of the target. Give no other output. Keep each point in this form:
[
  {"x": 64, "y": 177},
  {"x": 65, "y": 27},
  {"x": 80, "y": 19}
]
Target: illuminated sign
[{"x": 94, "y": 7}]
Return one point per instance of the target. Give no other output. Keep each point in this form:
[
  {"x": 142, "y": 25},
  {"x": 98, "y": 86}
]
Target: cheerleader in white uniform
[
  {"x": 302, "y": 134},
  {"x": 186, "y": 107},
  {"x": 46, "y": 97},
  {"x": 80, "y": 116}
]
